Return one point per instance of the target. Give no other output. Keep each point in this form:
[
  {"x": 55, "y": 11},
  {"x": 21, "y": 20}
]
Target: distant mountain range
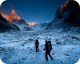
[
  {"x": 14, "y": 19},
  {"x": 67, "y": 15}
]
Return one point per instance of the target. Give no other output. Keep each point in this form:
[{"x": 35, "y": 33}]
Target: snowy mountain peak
[
  {"x": 14, "y": 16},
  {"x": 30, "y": 24},
  {"x": 11, "y": 17},
  {"x": 13, "y": 11}
]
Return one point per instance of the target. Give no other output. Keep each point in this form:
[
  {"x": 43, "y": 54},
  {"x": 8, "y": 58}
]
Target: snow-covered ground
[{"x": 18, "y": 47}]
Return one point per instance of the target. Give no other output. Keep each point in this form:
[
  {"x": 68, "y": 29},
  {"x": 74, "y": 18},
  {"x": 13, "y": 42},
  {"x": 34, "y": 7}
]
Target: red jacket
[{"x": 36, "y": 44}]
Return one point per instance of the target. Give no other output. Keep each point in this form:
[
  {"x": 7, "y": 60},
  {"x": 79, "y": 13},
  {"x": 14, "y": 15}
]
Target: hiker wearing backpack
[
  {"x": 48, "y": 48},
  {"x": 37, "y": 45}
]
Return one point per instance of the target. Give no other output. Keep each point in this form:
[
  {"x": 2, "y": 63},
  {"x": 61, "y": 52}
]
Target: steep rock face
[
  {"x": 67, "y": 15},
  {"x": 5, "y": 25},
  {"x": 59, "y": 10},
  {"x": 70, "y": 12},
  {"x": 65, "y": 9},
  {"x": 74, "y": 14}
]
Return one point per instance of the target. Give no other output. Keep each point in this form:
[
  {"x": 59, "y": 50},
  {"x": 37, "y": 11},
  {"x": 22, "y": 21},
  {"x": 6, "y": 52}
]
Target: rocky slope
[
  {"x": 67, "y": 15},
  {"x": 6, "y": 26}
]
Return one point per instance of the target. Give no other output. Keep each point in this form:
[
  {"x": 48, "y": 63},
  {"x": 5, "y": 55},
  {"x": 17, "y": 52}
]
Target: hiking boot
[
  {"x": 46, "y": 59},
  {"x": 38, "y": 49},
  {"x": 52, "y": 59}
]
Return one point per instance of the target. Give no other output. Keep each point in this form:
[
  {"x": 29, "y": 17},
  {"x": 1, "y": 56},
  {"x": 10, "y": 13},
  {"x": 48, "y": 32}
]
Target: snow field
[{"x": 18, "y": 48}]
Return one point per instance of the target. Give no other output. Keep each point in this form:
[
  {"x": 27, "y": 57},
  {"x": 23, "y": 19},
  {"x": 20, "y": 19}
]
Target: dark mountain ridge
[
  {"x": 6, "y": 26},
  {"x": 67, "y": 15}
]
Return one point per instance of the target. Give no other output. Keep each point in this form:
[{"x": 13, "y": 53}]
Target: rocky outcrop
[
  {"x": 26, "y": 28},
  {"x": 6, "y": 26},
  {"x": 19, "y": 22},
  {"x": 43, "y": 24}
]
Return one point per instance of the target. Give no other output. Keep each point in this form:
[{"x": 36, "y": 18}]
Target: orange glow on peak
[
  {"x": 30, "y": 24},
  {"x": 11, "y": 17},
  {"x": 13, "y": 11}
]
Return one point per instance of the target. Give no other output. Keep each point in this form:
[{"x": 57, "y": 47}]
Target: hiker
[
  {"x": 37, "y": 45},
  {"x": 48, "y": 48}
]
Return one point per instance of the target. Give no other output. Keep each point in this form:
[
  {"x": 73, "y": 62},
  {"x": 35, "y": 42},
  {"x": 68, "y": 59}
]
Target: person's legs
[
  {"x": 46, "y": 56},
  {"x": 36, "y": 49},
  {"x": 50, "y": 55}
]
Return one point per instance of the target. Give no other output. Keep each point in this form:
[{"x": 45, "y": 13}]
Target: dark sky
[{"x": 40, "y": 11}]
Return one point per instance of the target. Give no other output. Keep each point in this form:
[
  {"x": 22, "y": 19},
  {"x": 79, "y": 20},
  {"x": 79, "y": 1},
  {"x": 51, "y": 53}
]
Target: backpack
[
  {"x": 36, "y": 43},
  {"x": 49, "y": 45}
]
